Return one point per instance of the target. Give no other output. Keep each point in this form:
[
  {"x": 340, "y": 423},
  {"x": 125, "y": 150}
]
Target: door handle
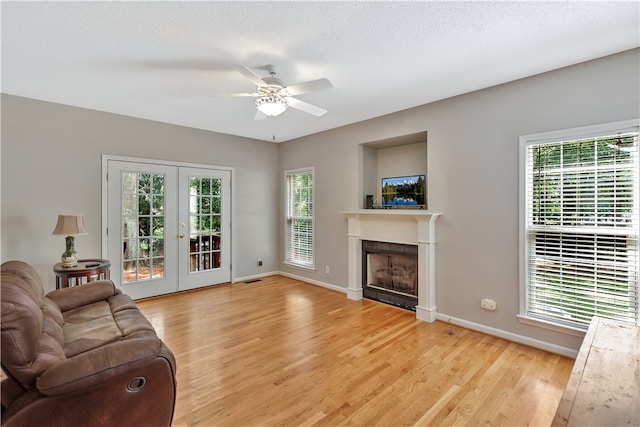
[{"x": 181, "y": 236}]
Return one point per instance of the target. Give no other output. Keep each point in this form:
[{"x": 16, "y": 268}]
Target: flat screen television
[{"x": 407, "y": 190}]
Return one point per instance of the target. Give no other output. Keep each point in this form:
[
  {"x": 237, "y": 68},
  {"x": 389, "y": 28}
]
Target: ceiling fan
[{"x": 273, "y": 97}]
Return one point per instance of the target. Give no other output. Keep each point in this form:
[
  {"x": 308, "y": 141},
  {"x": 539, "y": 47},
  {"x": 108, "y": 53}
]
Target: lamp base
[
  {"x": 69, "y": 263},
  {"x": 69, "y": 258}
]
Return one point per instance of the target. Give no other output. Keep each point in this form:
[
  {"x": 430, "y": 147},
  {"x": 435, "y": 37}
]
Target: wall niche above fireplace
[{"x": 393, "y": 157}]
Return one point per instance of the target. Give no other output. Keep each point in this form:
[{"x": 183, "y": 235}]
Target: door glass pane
[
  {"x": 143, "y": 226},
  {"x": 204, "y": 223}
]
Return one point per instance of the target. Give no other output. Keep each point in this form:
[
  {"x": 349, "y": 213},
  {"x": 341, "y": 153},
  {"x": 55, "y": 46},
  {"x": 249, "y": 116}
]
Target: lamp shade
[{"x": 70, "y": 225}]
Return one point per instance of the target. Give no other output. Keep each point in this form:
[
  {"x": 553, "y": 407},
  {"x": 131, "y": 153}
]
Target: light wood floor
[{"x": 279, "y": 352}]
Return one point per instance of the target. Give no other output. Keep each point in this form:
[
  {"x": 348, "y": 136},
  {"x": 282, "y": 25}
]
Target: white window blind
[
  {"x": 299, "y": 227},
  {"x": 581, "y": 236}
]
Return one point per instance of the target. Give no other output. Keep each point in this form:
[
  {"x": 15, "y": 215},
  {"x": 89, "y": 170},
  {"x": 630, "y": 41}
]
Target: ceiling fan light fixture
[{"x": 272, "y": 105}]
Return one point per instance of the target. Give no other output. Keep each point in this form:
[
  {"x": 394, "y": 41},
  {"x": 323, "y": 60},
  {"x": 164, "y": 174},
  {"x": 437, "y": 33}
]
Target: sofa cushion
[
  {"x": 128, "y": 318},
  {"x": 77, "y": 296},
  {"x": 89, "y": 327},
  {"x": 94, "y": 325}
]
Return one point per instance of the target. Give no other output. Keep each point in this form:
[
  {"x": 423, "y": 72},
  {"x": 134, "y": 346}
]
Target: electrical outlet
[
  {"x": 259, "y": 262},
  {"x": 326, "y": 269},
  {"x": 488, "y": 304}
]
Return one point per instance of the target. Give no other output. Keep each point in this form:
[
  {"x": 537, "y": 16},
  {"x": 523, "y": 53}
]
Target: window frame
[
  {"x": 288, "y": 217},
  {"x": 536, "y": 139}
]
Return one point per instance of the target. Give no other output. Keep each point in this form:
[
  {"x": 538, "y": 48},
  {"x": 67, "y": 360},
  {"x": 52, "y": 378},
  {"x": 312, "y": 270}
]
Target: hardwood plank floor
[{"x": 280, "y": 352}]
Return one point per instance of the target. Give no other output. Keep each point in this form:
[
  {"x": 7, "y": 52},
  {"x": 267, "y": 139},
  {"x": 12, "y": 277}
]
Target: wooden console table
[
  {"x": 604, "y": 386},
  {"x": 87, "y": 270}
]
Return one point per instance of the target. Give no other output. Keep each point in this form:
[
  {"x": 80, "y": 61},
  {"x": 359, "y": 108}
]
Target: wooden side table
[
  {"x": 604, "y": 384},
  {"x": 87, "y": 270}
]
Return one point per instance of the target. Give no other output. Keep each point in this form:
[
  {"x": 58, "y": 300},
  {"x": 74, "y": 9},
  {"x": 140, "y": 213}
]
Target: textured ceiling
[{"x": 163, "y": 60}]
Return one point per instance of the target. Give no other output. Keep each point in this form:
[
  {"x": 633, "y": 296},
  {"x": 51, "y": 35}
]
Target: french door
[
  {"x": 204, "y": 229},
  {"x": 168, "y": 227}
]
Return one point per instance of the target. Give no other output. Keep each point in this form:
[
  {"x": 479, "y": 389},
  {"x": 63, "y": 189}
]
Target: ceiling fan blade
[
  {"x": 236, "y": 94},
  {"x": 248, "y": 73},
  {"x": 306, "y": 107},
  {"x": 311, "y": 86},
  {"x": 259, "y": 115}
]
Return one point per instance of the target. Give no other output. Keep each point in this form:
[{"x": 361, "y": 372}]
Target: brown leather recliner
[{"x": 80, "y": 356}]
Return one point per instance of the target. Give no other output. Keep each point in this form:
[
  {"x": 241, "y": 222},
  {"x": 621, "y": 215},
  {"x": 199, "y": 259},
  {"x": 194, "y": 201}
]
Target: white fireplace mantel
[{"x": 411, "y": 227}]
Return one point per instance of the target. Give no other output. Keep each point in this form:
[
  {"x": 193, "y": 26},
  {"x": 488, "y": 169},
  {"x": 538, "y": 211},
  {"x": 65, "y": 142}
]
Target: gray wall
[
  {"x": 51, "y": 164},
  {"x": 472, "y": 178},
  {"x": 409, "y": 159}
]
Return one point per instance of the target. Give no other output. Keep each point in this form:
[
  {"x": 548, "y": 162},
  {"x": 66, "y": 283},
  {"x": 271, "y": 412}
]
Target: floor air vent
[{"x": 253, "y": 281}]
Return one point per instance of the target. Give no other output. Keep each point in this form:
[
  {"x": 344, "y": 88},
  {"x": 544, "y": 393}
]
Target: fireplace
[
  {"x": 390, "y": 273},
  {"x": 414, "y": 231}
]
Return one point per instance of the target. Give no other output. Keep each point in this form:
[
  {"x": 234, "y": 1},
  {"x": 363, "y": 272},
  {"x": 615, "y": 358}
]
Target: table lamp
[{"x": 69, "y": 225}]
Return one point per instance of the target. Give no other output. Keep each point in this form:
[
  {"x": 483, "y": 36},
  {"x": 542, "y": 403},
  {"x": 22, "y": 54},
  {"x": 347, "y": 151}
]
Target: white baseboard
[
  {"x": 520, "y": 339},
  {"x": 426, "y": 314},
  {"x": 354, "y": 294},
  {"x": 314, "y": 282}
]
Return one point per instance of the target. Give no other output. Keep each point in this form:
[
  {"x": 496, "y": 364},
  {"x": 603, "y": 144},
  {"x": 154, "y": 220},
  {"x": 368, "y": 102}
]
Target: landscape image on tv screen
[{"x": 404, "y": 191}]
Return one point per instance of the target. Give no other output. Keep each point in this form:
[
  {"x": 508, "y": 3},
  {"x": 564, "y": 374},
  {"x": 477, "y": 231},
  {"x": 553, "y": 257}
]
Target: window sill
[{"x": 557, "y": 327}]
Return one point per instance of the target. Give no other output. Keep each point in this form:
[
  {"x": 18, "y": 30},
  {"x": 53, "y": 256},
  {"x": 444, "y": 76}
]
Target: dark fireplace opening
[{"x": 390, "y": 273}]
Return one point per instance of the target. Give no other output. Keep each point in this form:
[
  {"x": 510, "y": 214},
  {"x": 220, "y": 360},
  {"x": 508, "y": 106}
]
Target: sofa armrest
[
  {"x": 77, "y": 296},
  {"x": 98, "y": 365}
]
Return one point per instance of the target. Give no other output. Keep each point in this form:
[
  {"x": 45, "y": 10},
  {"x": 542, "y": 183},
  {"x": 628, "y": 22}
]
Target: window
[
  {"x": 580, "y": 226},
  {"x": 299, "y": 227}
]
